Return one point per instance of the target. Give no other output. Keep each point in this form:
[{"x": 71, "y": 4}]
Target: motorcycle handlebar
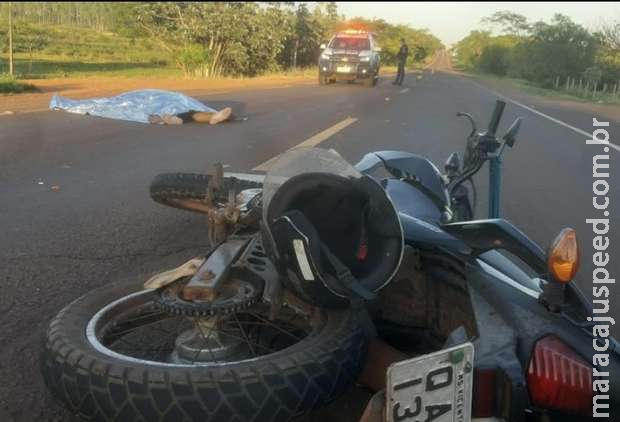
[{"x": 496, "y": 117}]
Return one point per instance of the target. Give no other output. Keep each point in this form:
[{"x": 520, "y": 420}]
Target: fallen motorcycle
[{"x": 319, "y": 267}]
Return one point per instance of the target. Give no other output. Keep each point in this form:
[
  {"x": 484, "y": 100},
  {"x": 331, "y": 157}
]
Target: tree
[
  {"x": 307, "y": 38},
  {"x": 240, "y": 38},
  {"x": 608, "y": 55},
  {"x": 610, "y": 36},
  {"x": 495, "y": 57},
  {"x": 30, "y": 39},
  {"x": 470, "y": 48},
  {"x": 11, "y": 69},
  {"x": 331, "y": 18},
  {"x": 509, "y": 23},
  {"x": 561, "y": 48}
]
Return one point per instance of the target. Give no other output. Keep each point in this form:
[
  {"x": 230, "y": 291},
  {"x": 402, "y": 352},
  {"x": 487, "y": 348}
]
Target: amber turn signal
[{"x": 563, "y": 257}]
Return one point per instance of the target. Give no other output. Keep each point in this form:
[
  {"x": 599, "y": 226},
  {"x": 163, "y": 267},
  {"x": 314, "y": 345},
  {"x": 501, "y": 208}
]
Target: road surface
[{"x": 101, "y": 225}]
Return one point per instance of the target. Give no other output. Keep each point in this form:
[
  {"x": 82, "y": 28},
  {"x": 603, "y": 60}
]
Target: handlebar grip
[{"x": 496, "y": 117}]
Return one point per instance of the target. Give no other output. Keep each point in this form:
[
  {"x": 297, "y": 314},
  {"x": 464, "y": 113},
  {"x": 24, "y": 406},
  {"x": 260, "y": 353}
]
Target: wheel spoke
[
  {"x": 253, "y": 343},
  {"x": 206, "y": 339},
  {"x": 135, "y": 327},
  {"x": 271, "y": 324},
  {"x": 244, "y": 335},
  {"x": 145, "y": 332},
  {"x": 173, "y": 334}
]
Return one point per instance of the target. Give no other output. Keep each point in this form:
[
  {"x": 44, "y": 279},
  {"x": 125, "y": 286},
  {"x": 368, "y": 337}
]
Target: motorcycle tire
[
  {"x": 182, "y": 190},
  {"x": 278, "y": 386}
]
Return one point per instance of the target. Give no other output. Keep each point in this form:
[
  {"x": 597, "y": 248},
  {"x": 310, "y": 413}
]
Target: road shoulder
[{"x": 508, "y": 88}]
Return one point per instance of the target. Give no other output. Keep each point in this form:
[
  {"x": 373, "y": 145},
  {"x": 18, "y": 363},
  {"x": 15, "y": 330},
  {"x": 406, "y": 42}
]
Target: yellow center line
[{"x": 312, "y": 141}]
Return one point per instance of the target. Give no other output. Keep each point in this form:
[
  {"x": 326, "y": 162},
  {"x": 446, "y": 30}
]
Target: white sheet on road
[{"x": 134, "y": 106}]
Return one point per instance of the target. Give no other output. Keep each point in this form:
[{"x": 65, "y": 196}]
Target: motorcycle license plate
[
  {"x": 432, "y": 388},
  {"x": 344, "y": 69}
]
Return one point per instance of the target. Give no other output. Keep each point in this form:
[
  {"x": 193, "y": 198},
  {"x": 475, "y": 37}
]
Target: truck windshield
[{"x": 350, "y": 43}]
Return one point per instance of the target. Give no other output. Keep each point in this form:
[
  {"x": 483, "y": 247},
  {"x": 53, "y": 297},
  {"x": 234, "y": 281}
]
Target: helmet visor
[{"x": 303, "y": 160}]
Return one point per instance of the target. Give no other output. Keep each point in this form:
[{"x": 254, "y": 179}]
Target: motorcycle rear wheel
[
  {"x": 99, "y": 382},
  {"x": 188, "y": 191}
]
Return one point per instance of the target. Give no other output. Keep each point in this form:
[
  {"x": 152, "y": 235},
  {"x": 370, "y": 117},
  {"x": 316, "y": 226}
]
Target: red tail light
[
  {"x": 558, "y": 378},
  {"x": 483, "y": 404}
]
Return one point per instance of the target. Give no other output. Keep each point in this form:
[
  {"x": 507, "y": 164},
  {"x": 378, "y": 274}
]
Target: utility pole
[{"x": 11, "y": 71}]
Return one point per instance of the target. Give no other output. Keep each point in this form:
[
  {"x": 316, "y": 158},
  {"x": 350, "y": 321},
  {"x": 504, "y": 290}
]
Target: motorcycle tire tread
[{"x": 96, "y": 386}]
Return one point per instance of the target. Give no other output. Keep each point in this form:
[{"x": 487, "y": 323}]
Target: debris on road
[
  {"x": 387, "y": 98},
  {"x": 144, "y": 106},
  {"x": 165, "y": 278},
  {"x": 55, "y": 188}
]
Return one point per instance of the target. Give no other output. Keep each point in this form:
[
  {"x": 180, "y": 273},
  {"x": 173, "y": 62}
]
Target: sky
[{"x": 452, "y": 21}]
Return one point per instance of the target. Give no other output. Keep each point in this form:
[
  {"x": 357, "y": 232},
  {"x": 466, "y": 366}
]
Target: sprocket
[{"x": 233, "y": 296}]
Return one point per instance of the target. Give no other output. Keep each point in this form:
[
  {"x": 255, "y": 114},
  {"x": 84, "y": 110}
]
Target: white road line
[
  {"x": 546, "y": 116},
  {"x": 402, "y": 91},
  {"x": 312, "y": 141}
]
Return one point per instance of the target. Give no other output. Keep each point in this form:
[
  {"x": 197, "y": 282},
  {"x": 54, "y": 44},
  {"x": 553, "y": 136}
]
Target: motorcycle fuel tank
[{"x": 410, "y": 167}]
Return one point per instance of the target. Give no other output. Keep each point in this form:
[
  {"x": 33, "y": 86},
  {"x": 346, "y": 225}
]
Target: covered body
[{"x": 133, "y": 106}]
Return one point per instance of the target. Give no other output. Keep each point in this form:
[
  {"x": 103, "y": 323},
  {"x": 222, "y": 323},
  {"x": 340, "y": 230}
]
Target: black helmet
[{"x": 336, "y": 237}]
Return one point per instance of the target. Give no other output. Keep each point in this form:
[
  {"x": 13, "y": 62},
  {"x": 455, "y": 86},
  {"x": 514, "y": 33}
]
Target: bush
[
  {"x": 194, "y": 60},
  {"x": 9, "y": 85},
  {"x": 610, "y": 68},
  {"x": 494, "y": 59}
]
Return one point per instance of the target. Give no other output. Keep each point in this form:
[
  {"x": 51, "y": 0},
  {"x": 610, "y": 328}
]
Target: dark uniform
[{"x": 402, "y": 59}]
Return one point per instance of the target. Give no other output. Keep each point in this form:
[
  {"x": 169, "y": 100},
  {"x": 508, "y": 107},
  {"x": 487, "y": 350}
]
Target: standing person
[{"x": 402, "y": 59}]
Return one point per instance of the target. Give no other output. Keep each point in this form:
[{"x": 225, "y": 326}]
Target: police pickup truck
[{"x": 351, "y": 55}]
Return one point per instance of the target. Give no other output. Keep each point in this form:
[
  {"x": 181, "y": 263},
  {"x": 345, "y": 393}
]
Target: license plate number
[
  {"x": 432, "y": 388},
  {"x": 343, "y": 69}
]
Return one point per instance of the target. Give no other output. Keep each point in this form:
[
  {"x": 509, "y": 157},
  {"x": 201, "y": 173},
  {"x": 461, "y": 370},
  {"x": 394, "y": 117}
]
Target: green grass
[
  {"x": 59, "y": 51},
  {"x": 48, "y": 66},
  {"x": 9, "y": 85}
]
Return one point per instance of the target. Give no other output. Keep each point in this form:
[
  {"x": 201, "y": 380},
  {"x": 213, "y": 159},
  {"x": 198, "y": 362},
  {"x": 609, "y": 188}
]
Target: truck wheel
[
  {"x": 108, "y": 357},
  {"x": 323, "y": 80}
]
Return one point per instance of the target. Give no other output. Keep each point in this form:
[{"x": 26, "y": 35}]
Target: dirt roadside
[
  {"x": 90, "y": 87},
  {"x": 443, "y": 63},
  {"x": 609, "y": 111},
  {"x": 107, "y": 86}
]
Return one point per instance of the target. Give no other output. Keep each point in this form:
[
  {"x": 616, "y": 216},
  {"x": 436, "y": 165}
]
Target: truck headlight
[
  {"x": 365, "y": 59},
  {"x": 325, "y": 56}
]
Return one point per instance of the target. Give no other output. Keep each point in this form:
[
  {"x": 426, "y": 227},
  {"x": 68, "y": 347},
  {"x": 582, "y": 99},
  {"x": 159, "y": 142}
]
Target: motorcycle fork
[{"x": 495, "y": 184}]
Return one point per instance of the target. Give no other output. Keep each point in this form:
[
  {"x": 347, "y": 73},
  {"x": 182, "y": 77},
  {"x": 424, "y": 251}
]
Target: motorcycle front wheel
[
  {"x": 188, "y": 191},
  {"x": 113, "y": 354}
]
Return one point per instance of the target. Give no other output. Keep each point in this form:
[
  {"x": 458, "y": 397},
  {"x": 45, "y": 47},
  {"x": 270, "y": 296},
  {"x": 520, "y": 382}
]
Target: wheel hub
[{"x": 206, "y": 343}]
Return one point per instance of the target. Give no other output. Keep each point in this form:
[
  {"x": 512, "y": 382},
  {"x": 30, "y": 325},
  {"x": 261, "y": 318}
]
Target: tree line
[
  {"x": 208, "y": 39},
  {"x": 543, "y": 53}
]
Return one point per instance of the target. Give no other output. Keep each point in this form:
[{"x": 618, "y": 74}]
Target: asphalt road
[{"x": 102, "y": 226}]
